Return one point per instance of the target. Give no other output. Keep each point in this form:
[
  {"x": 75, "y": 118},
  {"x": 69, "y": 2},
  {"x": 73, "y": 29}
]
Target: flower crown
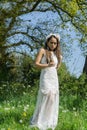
[{"x": 52, "y": 34}]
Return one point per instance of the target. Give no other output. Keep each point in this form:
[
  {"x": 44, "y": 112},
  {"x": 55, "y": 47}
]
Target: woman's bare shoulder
[{"x": 42, "y": 50}]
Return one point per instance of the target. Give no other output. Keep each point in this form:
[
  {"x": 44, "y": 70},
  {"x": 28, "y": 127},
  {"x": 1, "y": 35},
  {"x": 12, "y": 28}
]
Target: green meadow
[{"x": 16, "y": 111}]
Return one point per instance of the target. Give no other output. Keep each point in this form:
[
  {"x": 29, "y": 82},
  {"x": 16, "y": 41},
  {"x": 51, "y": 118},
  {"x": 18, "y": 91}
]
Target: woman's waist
[{"x": 49, "y": 69}]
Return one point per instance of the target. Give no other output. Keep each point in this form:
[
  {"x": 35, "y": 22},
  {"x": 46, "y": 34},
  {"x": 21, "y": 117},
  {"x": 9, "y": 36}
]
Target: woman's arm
[
  {"x": 59, "y": 62},
  {"x": 38, "y": 60}
]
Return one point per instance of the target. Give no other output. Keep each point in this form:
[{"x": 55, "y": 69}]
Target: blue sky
[
  {"x": 76, "y": 64},
  {"x": 75, "y": 61}
]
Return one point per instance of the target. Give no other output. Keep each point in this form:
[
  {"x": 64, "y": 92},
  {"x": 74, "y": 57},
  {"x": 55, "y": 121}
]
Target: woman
[{"x": 49, "y": 60}]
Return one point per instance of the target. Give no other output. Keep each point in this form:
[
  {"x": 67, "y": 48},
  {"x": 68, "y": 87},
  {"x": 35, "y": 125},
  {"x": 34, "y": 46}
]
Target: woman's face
[{"x": 52, "y": 44}]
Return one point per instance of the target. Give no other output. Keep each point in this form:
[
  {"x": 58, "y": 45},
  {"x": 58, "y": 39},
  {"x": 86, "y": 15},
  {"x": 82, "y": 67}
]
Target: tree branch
[
  {"x": 17, "y": 44},
  {"x": 35, "y": 5}
]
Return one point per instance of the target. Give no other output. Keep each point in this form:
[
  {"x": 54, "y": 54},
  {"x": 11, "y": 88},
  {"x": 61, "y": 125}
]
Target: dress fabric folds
[{"x": 46, "y": 112}]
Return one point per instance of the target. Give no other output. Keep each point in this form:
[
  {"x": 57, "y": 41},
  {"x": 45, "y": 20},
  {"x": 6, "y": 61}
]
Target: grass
[{"x": 15, "y": 113}]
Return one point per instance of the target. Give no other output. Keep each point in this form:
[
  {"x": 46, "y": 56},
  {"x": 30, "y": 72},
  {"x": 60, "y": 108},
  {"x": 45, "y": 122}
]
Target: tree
[
  {"x": 85, "y": 66},
  {"x": 30, "y": 74},
  {"x": 69, "y": 11}
]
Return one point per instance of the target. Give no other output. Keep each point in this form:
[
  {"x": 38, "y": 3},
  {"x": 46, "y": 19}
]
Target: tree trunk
[{"x": 85, "y": 66}]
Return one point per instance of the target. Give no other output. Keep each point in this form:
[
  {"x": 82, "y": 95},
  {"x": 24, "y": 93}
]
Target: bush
[{"x": 12, "y": 89}]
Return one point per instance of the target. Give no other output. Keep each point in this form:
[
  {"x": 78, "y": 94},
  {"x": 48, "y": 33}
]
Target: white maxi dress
[{"x": 46, "y": 111}]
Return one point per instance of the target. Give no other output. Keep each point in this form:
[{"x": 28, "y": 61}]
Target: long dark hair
[{"x": 56, "y": 50}]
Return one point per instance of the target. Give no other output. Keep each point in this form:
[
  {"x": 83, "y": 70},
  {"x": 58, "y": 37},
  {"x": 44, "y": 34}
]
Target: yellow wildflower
[{"x": 24, "y": 114}]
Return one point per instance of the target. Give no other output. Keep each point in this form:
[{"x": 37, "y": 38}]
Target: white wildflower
[
  {"x": 74, "y": 108},
  {"x": 21, "y": 121},
  {"x": 6, "y": 108},
  {"x": 13, "y": 107},
  {"x": 29, "y": 86},
  {"x": 65, "y": 111},
  {"x": 27, "y": 105}
]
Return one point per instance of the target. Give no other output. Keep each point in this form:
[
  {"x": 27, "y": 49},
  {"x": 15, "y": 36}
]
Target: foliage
[
  {"x": 11, "y": 89},
  {"x": 30, "y": 74},
  {"x": 18, "y": 102},
  {"x": 17, "y": 33},
  {"x": 73, "y": 12},
  {"x": 70, "y": 85},
  {"x": 15, "y": 113},
  {"x": 7, "y": 64},
  {"x": 21, "y": 69}
]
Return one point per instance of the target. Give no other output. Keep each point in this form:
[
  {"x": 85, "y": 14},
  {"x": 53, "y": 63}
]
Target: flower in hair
[{"x": 52, "y": 34}]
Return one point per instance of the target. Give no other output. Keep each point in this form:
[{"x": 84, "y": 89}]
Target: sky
[
  {"x": 76, "y": 61},
  {"x": 76, "y": 64}
]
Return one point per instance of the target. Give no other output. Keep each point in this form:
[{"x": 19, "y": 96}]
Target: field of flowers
[{"x": 15, "y": 113}]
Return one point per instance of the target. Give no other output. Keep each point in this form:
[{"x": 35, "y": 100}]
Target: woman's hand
[
  {"x": 51, "y": 64},
  {"x": 58, "y": 66}
]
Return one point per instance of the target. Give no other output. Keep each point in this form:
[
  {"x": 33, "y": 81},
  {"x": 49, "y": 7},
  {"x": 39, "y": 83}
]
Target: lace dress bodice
[{"x": 53, "y": 56}]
